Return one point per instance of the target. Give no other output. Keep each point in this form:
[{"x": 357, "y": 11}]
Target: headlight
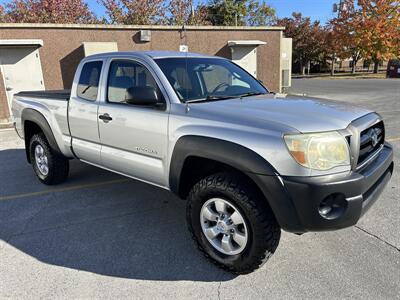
[{"x": 319, "y": 151}]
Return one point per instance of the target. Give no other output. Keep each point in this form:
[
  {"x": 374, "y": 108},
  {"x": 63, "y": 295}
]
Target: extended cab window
[
  {"x": 88, "y": 84},
  {"x": 125, "y": 75}
]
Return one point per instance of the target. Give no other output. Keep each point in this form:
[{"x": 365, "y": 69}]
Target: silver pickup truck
[{"x": 248, "y": 163}]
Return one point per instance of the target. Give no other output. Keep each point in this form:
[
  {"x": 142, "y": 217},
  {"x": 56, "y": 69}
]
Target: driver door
[{"x": 134, "y": 138}]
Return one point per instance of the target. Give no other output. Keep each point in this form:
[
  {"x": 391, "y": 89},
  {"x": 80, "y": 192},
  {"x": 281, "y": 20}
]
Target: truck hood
[{"x": 300, "y": 113}]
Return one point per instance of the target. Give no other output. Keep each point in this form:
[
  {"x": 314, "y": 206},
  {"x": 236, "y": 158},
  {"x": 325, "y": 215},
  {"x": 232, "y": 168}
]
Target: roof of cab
[{"x": 152, "y": 54}]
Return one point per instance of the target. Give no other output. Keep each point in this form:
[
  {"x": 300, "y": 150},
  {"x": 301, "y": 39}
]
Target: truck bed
[
  {"x": 52, "y": 94},
  {"x": 53, "y": 106}
]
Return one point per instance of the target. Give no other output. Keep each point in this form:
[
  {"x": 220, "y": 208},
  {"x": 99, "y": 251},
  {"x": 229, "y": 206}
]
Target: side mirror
[{"x": 142, "y": 95}]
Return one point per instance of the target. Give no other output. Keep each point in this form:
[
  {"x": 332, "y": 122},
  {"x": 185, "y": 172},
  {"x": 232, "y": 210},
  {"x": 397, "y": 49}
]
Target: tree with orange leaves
[
  {"x": 346, "y": 33},
  {"x": 371, "y": 30},
  {"x": 308, "y": 39},
  {"x": 47, "y": 11},
  {"x": 378, "y": 26},
  {"x": 142, "y": 12},
  {"x": 2, "y": 13},
  {"x": 184, "y": 12}
]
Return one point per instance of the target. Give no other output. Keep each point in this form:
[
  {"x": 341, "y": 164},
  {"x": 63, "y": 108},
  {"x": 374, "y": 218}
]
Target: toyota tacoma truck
[{"x": 248, "y": 162}]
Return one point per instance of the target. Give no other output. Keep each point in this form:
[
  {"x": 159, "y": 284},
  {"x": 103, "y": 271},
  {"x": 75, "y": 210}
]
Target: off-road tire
[
  {"x": 58, "y": 165},
  {"x": 264, "y": 231}
]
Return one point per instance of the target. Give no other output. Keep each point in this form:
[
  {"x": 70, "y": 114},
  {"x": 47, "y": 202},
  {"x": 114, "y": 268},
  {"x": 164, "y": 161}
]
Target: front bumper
[{"x": 357, "y": 191}]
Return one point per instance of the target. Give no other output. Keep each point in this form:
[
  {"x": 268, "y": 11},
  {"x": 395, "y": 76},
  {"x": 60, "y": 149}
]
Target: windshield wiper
[
  {"x": 251, "y": 94},
  {"x": 220, "y": 97},
  {"x": 212, "y": 98}
]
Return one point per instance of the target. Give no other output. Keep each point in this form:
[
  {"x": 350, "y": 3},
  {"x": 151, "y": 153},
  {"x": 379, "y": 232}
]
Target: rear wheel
[
  {"x": 231, "y": 223},
  {"x": 49, "y": 167}
]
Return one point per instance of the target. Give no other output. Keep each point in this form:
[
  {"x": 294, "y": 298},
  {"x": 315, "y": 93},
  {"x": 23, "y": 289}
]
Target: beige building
[{"x": 44, "y": 56}]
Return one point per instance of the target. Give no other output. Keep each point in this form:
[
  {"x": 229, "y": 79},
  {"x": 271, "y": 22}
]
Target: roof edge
[
  {"x": 21, "y": 42},
  {"x": 136, "y": 27}
]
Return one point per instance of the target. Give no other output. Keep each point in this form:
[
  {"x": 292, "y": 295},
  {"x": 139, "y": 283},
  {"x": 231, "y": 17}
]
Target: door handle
[
  {"x": 105, "y": 118},
  {"x": 8, "y": 89}
]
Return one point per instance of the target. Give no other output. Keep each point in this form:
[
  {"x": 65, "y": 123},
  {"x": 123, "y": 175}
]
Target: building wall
[
  {"x": 4, "y": 111},
  {"x": 62, "y": 46}
]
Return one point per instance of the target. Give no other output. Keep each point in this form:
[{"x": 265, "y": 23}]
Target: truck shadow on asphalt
[{"x": 97, "y": 222}]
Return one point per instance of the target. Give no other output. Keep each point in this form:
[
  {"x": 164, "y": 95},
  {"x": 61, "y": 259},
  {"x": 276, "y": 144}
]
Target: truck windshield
[{"x": 209, "y": 79}]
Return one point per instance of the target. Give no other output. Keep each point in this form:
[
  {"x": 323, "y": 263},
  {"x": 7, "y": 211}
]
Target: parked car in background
[
  {"x": 393, "y": 68},
  {"x": 248, "y": 163}
]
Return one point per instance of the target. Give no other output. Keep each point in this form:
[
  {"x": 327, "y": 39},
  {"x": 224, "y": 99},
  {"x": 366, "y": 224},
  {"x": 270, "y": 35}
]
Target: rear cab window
[{"x": 88, "y": 84}]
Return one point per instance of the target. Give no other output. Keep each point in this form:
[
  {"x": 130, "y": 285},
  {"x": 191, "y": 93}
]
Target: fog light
[
  {"x": 325, "y": 209},
  {"x": 333, "y": 206}
]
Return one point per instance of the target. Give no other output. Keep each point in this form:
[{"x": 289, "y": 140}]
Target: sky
[{"x": 316, "y": 9}]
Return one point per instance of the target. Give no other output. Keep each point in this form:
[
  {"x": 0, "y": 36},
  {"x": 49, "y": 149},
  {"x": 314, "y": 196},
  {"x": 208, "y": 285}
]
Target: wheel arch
[
  {"x": 224, "y": 153},
  {"x": 34, "y": 122},
  {"x": 235, "y": 157}
]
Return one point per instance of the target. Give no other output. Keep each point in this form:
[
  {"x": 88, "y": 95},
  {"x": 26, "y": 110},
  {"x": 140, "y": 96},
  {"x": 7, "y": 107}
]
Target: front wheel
[
  {"x": 231, "y": 223},
  {"x": 49, "y": 167}
]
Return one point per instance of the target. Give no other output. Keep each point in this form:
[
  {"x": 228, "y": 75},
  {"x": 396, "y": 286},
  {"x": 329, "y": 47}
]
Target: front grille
[{"x": 371, "y": 139}]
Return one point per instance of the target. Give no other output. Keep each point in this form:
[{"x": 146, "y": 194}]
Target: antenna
[
  {"x": 184, "y": 32},
  {"x": 186, "y": 49},
  {"x": 192, "y": 13}
]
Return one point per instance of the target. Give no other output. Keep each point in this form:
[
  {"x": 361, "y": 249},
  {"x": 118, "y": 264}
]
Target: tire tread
[
  {"x": 60, "y": 165},
  {"x": 268, "y": 231}
]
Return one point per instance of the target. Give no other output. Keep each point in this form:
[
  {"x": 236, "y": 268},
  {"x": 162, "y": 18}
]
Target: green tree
[
  {"x": 260, "y": 14},
  {"x": 227, "y": 12},
  {"x": 240, "y": 13}
]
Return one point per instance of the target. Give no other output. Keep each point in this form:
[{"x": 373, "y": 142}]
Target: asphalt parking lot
[
  {"x": 100, "y": 235},
  {"x": 381, "y": 95}
]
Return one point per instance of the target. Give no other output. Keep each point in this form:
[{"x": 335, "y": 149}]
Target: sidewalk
[{"x": 4, "y": 123}]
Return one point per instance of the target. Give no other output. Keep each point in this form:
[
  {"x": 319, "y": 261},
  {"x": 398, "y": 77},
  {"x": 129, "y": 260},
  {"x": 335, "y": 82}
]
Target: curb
[
  {"x": 298, "y": 94},
  {"x": 7, "y": 125},
  {"x": 358, "y": 76}
]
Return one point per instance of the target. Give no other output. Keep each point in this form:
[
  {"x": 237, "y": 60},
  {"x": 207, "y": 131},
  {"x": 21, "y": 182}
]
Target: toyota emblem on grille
[{"x": 374, "y": 138}]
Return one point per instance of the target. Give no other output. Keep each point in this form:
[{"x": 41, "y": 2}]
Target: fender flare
[
  {"x": 36, "y": 117},
  {"x": 229, "y": 153},
  {"x": 243, "y": 159}
]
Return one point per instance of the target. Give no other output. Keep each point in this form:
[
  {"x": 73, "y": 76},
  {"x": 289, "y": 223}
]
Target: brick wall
[{"x": 62, "y": 47}]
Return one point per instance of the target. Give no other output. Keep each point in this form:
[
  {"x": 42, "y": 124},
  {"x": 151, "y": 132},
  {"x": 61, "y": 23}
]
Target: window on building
[{"x": 88, "y": 84}]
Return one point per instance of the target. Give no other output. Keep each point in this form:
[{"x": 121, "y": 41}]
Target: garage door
[{"x": 21, "y": 70}]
